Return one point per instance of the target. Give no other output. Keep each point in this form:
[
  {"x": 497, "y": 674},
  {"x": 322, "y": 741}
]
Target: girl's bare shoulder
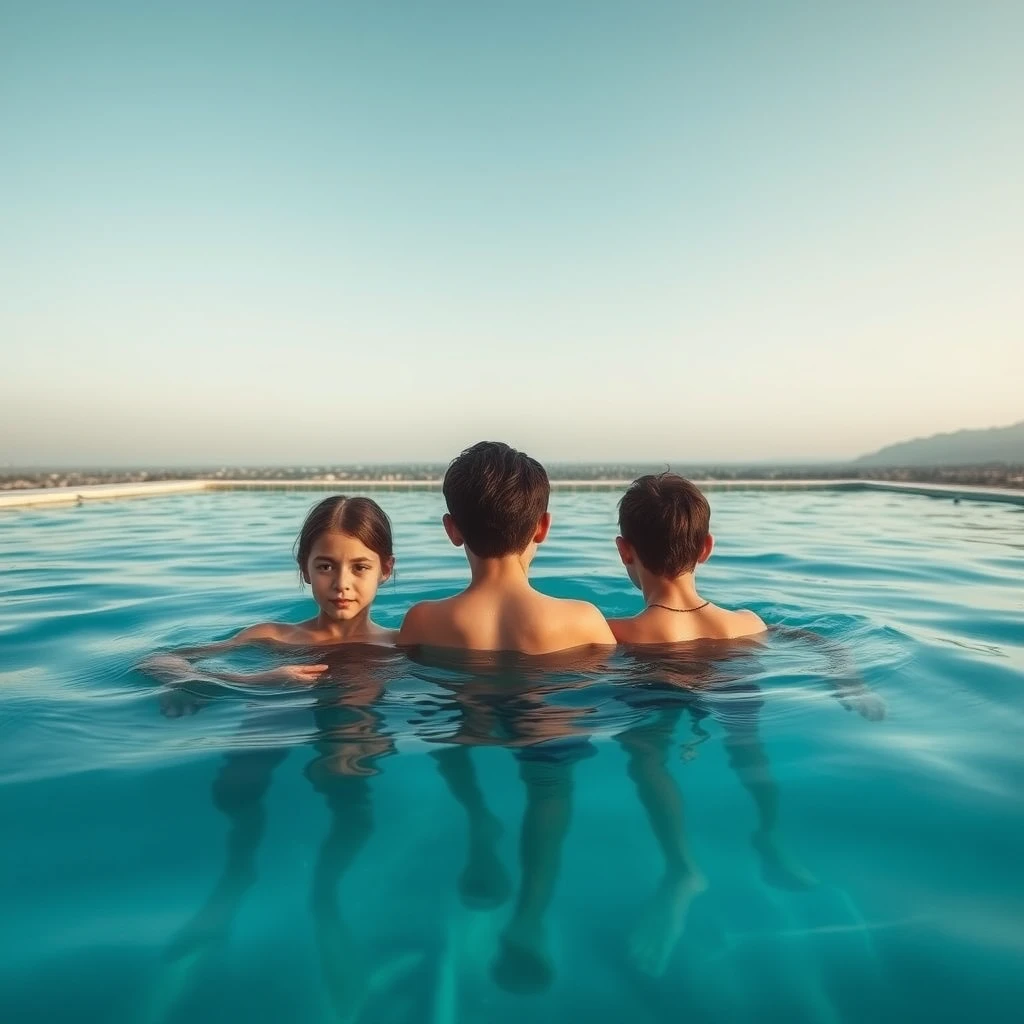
[
  {"x": 273, "y": 632},
  {"x": 383, "y": 636}
]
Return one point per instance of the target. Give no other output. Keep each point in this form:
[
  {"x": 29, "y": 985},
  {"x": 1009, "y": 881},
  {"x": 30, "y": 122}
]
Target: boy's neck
[
  {"x": 507, "y": 571},
  {"x": 678, "y": 592}
]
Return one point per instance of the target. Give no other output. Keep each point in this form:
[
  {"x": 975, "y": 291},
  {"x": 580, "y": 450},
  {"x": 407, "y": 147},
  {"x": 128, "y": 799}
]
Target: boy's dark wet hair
[
  {"x": 666, "y": 519},
  {"x": 496, "y": 496},
  {"x": 361, "y": 518}
]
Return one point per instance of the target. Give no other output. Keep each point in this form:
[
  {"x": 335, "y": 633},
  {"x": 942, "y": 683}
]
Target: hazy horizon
[
  {"x": 382, "y": 463},
  {"x": 200, "y": 465},
  {"x": 335, "y": 234}
]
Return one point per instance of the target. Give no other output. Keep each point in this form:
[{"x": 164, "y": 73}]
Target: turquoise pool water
[{"x": 738, "y": 845}]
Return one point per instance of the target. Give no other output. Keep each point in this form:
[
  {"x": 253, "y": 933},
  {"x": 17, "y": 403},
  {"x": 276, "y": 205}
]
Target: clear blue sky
[{"x": 339, "y": 232}]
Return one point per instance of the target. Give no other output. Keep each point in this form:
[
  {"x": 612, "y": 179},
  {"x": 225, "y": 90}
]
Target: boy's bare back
[
  {"x": 495, "y": 619},
  {"x": 497, "y": 502},
  {"x": 660, "y": 626}
]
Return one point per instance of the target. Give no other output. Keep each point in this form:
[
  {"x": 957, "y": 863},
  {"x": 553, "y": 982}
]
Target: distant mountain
[{"x": 962, "y": 448}]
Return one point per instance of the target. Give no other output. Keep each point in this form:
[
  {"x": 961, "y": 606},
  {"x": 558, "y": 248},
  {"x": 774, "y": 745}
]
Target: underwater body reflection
[{"x": 657, "y": 706}]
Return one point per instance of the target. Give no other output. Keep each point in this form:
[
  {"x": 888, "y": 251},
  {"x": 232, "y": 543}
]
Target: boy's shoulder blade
[
  {"x": 747, "y": 622},
  {"x": 417, "y": 624},
  {"x": 412, "y": 623},
  {"x": 736, "y": 624},
  {"x": 584, "y": 621},
  {"x": 624, "y": 630}
]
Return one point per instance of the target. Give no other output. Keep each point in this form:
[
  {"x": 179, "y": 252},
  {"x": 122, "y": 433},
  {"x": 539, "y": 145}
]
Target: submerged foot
[
  {"x": 211, "y": 925},
  {"x": 383, "y": 991},
  {"x": 778, "y": 868},
  {"x": 484, "y": 883},
  {"x": 349, "y": 976},
  {"x": 662, "y": 922},
  {"x": 342, "y": 964},
  {"x": 523, "y": 964}
]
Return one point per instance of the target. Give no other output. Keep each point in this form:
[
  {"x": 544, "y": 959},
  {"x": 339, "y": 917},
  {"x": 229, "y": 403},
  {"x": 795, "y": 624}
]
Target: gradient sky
[{"x": 338, "y": 232}]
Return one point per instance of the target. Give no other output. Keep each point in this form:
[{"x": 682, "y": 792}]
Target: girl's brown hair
[{"x": 361, "y": 518}]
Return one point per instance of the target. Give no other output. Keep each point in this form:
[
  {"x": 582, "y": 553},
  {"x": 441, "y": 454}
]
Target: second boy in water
[
  {"x": 497, "y": 502},
  {"x": 664, "y": 526}
]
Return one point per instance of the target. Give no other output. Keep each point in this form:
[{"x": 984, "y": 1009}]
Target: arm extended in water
[
  {"x": 841, "y": 675},
  {"x": 177, "y": 670}
]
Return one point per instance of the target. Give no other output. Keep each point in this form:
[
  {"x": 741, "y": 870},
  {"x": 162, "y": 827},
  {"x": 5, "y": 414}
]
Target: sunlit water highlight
[{"x": 697, "y": 835}]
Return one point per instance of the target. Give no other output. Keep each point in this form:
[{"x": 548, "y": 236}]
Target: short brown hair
[
  {"x": 496, "y": 496},
  {"x": 361, "y": 518},
  {"x": 666, "y": 519}
]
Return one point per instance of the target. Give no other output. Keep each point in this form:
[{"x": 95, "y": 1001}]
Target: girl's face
[{"x": 344, "y": 575}]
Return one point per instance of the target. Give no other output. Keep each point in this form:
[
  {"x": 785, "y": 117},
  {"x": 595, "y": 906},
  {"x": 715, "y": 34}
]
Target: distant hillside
[{"x": 962, "y": 448}]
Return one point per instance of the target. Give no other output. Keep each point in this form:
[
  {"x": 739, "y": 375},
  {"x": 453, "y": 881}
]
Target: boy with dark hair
[
  {"x": 497, "y": 502},
  {"x": 664, "y": 525}
]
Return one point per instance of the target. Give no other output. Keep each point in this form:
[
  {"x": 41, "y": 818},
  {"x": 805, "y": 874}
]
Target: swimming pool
[{"x": 300, "y": 856}]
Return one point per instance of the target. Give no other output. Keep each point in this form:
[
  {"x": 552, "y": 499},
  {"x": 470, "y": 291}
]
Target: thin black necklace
[{"x": 695, "y": 608}]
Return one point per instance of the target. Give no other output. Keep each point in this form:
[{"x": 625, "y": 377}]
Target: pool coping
[{"x": 105, "y": 492}]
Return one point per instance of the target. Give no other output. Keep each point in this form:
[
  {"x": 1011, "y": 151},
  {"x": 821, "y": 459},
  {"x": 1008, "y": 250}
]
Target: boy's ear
[
  {"x": 543, "y": 526},
  {"x": 626, "y": 552},
  {"x": 705, "y": 552},
  {"x": 454, "y": 535}
]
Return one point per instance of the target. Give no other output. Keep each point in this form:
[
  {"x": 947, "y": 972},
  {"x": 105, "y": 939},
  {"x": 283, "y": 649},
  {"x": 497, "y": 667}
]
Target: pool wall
[{"x": 106, "y": 492}]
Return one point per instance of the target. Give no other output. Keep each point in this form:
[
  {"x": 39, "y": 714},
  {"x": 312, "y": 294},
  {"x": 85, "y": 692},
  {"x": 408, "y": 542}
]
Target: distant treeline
[{"x": 994, "y": 475}]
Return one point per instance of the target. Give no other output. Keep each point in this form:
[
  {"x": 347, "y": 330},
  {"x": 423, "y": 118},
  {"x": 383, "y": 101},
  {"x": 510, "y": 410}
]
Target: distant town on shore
[
  {"x": 982, "y": 475},
  {"x": 993, "y": 457}
]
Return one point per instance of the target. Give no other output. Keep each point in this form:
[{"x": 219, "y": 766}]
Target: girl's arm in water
[{"x": 179, "y": 666}]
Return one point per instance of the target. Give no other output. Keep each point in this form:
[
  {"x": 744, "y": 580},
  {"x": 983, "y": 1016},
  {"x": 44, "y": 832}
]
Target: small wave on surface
[
  {"x": 109, "y": 713},
  {"x": 432, "y": 698}
]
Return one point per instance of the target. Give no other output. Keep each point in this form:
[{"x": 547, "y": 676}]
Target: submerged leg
[
  {"x": 749, "y": 761},
  {"x": 484, "y": 883},
  {"x": 342, "y": 960},
  {"x": 238, "y": 792},
  {"x": 664, "y": 918},
  {"x": 524, "y": 963}
]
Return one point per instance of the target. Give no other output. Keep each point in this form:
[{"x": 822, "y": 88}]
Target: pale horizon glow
[{"x": 327, "y": 234}]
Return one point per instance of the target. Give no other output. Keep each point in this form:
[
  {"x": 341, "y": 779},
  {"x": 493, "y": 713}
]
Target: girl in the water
[{"x": 344, "y": 552}]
